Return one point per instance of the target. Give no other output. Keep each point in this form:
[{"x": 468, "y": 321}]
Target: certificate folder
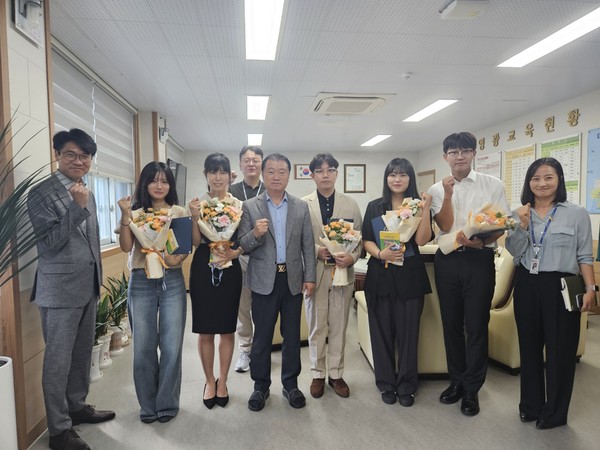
[{"x": 182, "y": 229}]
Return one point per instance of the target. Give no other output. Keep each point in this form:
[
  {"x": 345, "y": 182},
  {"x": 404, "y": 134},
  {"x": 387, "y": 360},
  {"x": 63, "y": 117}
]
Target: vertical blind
[{"x": 81, "y": 102}]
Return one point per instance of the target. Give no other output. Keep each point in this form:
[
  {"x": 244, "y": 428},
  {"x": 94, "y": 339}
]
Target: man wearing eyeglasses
[
  {"x": 250, "y": 163},
  {"x": 328, "y": 309},
  {"x": 465, "y": 278},
  {"x": 66, "y": 288}
]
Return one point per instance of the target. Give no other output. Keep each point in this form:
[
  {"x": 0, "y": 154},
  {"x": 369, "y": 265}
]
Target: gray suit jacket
[
  {"x": 300, "y": 247},
  {"x": 344, "y": 207},
  {"x": 69, "y": 269}
]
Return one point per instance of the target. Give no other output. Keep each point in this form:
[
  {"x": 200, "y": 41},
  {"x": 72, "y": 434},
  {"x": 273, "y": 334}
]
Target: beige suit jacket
[{"x": 344, "y": 207}]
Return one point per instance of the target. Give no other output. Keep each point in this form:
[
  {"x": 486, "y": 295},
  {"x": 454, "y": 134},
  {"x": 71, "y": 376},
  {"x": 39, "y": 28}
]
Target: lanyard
[
  {"x": 537, "y": 247},
  {"x": 257, "y": 192}
]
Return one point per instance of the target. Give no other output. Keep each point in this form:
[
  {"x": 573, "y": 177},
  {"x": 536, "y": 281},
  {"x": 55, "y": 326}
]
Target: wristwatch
[{"x": 592, "y": 287}]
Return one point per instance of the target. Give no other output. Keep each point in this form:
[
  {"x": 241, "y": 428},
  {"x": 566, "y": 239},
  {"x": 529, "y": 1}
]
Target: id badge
[{"x": 535, "y": 265}]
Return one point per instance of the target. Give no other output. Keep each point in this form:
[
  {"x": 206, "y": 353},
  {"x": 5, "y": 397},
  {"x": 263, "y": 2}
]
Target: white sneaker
[{"x": 243, "y": 363}]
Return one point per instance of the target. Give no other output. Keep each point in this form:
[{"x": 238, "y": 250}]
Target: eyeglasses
[
  {"x": 255, "y": 161},
  {"x": 457, "y": 153},
  {"x": 72, "y": 156},
  {"x": 329, "y": 171}
]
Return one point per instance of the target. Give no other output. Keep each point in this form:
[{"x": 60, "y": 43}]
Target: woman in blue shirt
[{"x": 553, "y": 240}]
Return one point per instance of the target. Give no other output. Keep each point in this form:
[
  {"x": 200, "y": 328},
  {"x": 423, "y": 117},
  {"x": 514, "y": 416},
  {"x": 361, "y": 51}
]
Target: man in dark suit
[
  {"x": 276, "y": 232},
  {"x": 67, "y": 286}
]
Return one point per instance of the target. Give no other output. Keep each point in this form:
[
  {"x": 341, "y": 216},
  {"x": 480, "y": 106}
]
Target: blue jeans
[{"x": 158, "y": 318}]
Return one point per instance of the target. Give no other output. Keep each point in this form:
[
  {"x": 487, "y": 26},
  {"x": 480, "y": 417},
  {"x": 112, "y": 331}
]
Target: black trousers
[
  {"x": 265, "y": 309},
  {"x": 394, "y": 324},
  {"x": 465, "y": 284},
  {"x": 542, "y": 320}
]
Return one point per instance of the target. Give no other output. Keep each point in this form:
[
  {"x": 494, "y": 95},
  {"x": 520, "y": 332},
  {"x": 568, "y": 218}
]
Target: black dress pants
[
  {"x": 465, "y": 284},
  {"x": 542, "y": 320},
  {"x": 265, "y": 309}
]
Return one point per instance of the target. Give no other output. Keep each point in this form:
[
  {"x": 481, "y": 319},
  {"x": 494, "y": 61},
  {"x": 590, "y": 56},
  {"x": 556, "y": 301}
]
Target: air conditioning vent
[{"x": 343, "y": 104}]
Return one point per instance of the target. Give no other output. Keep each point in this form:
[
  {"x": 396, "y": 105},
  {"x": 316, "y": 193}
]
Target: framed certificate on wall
[{"x": 355, "y": 178}]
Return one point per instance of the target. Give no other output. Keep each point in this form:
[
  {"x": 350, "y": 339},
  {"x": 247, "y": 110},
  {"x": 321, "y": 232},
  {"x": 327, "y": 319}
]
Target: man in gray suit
[
  {"x": 67, "y": 286},
  {"x": 275, "y": 231},
  {"x": 327, "y": 311}
]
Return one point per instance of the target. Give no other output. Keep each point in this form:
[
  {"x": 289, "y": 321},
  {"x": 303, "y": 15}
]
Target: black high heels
[
  {"x": 209, "y": 402},
  {"x": 222, "y": 401}
]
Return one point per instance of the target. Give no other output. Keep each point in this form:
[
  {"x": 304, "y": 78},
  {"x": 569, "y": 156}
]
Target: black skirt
[{"x": 215, "y": 294}]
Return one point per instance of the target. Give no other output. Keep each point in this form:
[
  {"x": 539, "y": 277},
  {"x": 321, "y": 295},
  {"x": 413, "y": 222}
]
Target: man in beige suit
[{"x": 327, "y": 310}]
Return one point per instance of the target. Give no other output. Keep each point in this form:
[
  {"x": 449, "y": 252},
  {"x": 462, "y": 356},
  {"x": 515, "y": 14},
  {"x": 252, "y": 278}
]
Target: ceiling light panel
[
  {"x": 562, "y": 37},
  {"x": 255, "y": 139},
  {"x": 429, "y": 110},
  {"x": 257, "y": 106},
  {"x": 263, "y": 23},
  {"x": 375, "y": 140}
]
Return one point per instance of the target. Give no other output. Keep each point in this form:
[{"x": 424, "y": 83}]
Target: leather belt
[
  {"x": 281, "y": 268},
  {"x": 462, "y": 248}
]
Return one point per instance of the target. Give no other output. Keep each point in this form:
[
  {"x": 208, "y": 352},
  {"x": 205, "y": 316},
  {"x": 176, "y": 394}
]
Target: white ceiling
[{"x": 186, "y": 60}]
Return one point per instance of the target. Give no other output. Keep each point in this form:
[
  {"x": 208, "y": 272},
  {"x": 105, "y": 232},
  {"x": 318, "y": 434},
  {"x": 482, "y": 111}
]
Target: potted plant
[
  {"x": 103, "y": 334},
  {"x": 17, "y": 238},
  {"x": 116, "y": 293}
]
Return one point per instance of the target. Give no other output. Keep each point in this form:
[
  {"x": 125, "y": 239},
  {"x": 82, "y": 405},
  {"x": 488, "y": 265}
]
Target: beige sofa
[
  {"x": 503, "y": 340},
  {"x": 431, "y": 352},
  {"x": 278, "y": 340}
]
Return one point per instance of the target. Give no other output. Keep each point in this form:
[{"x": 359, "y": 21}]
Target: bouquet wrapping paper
[
  {"x": 487, "y": 219},
  {"x": 151, "y": 229},
  {"x": 340, "y": 237},
  {"x": 218, "y": 221},
  {"x": 404, "y": 221}
]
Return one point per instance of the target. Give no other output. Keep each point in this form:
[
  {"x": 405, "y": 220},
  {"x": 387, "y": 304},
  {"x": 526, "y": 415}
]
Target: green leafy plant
[
  {"x": 102, "y": 317},
  {"x": 17, "y": 236},
  {"x": 116, "y": 293}
]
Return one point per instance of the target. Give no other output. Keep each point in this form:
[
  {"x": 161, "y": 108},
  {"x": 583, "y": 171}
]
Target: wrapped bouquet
[
  {"x": 151, "y": 229},
  {"x": 218, "y": 221},
  {"x": 340, "y": 237},
  {"x": 481, "y": 223},
  {"x": 402, "y": 223}
]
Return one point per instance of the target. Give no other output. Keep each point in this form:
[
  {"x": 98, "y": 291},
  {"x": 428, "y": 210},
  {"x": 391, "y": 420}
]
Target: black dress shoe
[
  {"x": 67, "y": 440},
  {"x": 407, "y": 400},
  {"x": 388, "y": 397},
  {"x": 209, "y": 402},
  {"x": 452, "y": 394},
  {"x": 541, "y": 425},
  {"x": 165, "y": 419},
  {"x": 88, "y": 414},
  {"x": 470, "y": 404},
  {"x": 222, "y": 401},
  {"x": 151, "y": 419},
  {"x": 526, "y": 417},
  {"x": 257, "y": 400},
  {"x": 295, "y": 398}
]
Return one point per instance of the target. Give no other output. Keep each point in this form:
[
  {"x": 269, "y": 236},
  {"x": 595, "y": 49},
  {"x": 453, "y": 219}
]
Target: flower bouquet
[
  {"x": 484, "y": 222},
  {"x": 403, "y": 223},
  {"x": 218, "y": 221},
  {"x": 340, "y": 237},
  {"x": 151, "y": 228}
]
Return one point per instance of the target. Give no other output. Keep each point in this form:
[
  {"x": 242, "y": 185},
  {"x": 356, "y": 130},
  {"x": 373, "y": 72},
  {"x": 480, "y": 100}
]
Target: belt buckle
[
  {"x": 462, "y": 248},
  {"x": 281, "y": 268}
]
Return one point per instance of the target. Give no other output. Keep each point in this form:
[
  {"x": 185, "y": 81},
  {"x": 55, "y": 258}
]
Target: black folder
[{"x": 182, "y": 229}]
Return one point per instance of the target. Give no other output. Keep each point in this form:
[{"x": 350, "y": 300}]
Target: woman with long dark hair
[
  {"x": 215, "y": 292},
  {"x": 553, "y": 240},
  {"x": 395, "y": 294},
  {"x": 157, "y": 306}
]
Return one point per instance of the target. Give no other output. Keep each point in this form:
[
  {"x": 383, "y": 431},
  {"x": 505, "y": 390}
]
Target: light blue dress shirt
[
  {"x": 567, "y": 243},
  {"x": 279, "y": 217}
]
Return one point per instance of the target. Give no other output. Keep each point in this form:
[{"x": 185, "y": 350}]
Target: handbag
[{"x": 570, "y": 288}]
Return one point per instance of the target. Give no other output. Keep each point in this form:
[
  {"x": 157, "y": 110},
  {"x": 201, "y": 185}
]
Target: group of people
[{"x": 277, "y": 263}]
